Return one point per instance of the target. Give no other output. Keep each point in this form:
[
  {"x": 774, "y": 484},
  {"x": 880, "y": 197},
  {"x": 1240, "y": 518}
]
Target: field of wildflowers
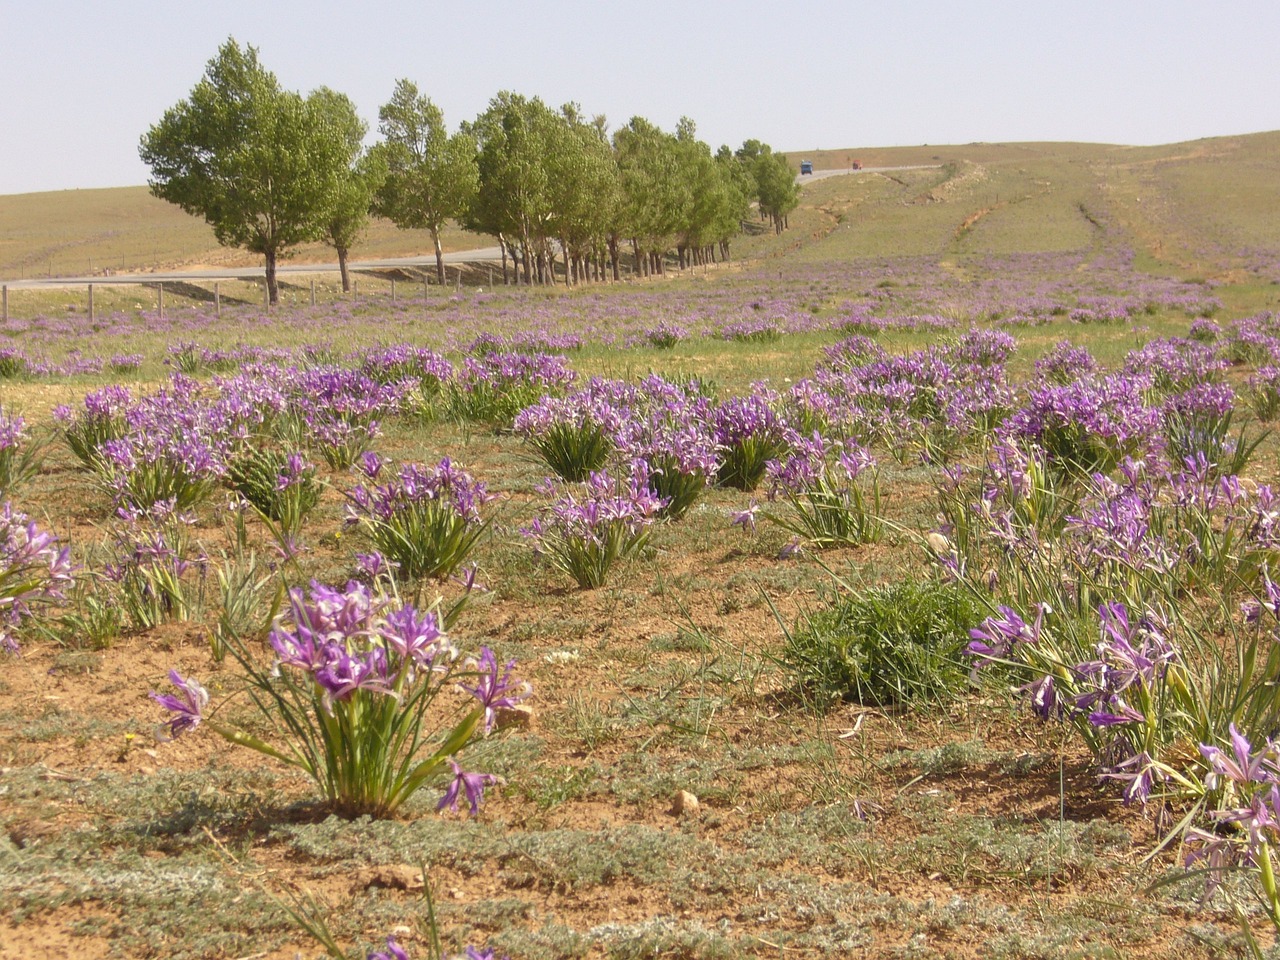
[{"x": 836, "y": 608}]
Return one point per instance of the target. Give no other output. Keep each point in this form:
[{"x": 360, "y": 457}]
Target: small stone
[
  {"x": 397, "y": 876},
  {"x": 685, "y": 804},
  {"x": 519, "y": 717}
]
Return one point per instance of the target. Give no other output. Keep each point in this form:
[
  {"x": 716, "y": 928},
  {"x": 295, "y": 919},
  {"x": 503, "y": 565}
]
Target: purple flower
[
  {"x": 371, "y": 464},
  {"x": 343, "y": 673},
  {"x": 1119, "y": 714},
  {"x": 467, "y": 579},
  {"x": 419, "y": 639},
  {"x": 187, "y": 706},
  {"x": 470, "y": 784},
  {"x": 374, "y": 565},
  {"x": 494, "y": 692},
  {"x": 746, "y": 519},
  {"x": 996, "y": 636},
  {"x": 1139, "y": 773},
  {"x": 1241, "y": 765},
  {"x": 791, "y": 550},
  {"x": 1044, "y": 697},
  {"x": 393, "y": 951}
]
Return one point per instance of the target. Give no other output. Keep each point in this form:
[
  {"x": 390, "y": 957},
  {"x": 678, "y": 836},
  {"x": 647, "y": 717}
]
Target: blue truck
[{"x": 806, "y": 166}]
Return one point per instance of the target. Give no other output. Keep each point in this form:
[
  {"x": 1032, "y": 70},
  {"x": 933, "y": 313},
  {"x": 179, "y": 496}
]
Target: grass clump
[{"x": 893, "y": 644}]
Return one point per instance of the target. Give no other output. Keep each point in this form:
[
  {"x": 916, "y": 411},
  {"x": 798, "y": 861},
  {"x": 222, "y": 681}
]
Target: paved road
[{"x": 803, "y": 178}]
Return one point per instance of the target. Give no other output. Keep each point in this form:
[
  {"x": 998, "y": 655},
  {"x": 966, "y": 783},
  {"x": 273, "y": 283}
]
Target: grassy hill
[
  {"x": 77, "y": 232},
  {"x": 1201, "y": 209},
  {"x": 1204, "y": 208}
]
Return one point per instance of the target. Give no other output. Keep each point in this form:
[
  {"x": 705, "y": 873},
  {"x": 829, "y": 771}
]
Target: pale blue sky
[{"x": 81, "y": 81}]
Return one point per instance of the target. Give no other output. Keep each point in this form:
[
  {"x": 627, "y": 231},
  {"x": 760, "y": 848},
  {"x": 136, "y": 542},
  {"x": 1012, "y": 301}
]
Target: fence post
[
  {"x": 393, "y": 289},
  {"x": 160, "y": 298},
  {"x": 313, "y": 291},
  {"x": 217, "y": 299},
  {"x": 457, "y": 287},
  {"x": 4, "y": 296},
  {"x": 266, "y": 295},
  {"x": 91, "y": 303},
  {"x": 355, "y": 290}
]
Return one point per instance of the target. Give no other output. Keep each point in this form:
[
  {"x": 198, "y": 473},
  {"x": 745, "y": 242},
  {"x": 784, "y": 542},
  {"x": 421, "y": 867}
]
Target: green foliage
[
  {"x": 743, "y": 464},
  {"x": 360, "y": 178},
  {"x": 261, "y": 164},
  {"x": 281, "y": 488},
  {"x": 21, "y": 455},
  {"x": 831, "y": 513},
  {"x": 775, "y": 184},
  {"x": 243, "y": 586},
  {"x": 430, "y": 177},
  {"x": 894, "y": 644},
  {"x": 573, "y": 451}
]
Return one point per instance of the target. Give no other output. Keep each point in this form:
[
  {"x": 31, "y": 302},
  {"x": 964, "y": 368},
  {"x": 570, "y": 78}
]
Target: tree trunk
[
  {"x": 435, "y": 238},
  {"x": 273, "y": 289},
  {"x": 342, "y": 268},
  {"x": 614, "y": 258}
]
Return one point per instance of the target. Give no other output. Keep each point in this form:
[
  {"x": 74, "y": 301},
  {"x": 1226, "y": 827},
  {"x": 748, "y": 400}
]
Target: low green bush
[{"x": 899, "y": 643}]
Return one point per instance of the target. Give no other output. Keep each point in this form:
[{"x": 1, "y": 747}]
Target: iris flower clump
[
  {"x": 34, "y": 571},
  {"x": 426, "y": 520},
  {"x": 352, "y": 699},
  {"x": 832, "y": 504},
  {"x": 585, "y": 532}
]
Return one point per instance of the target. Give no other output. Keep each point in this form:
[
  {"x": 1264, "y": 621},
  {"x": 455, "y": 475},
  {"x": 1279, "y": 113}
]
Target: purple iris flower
[
  {"x": 470, "y": 784},
  {"x": 393, "y": 951},
  {"x": 420, "y": 639},
  {"x": 187, "y": 706},
  {"x": 494, "y": 692},
  {"x": 746, "y": 519}
]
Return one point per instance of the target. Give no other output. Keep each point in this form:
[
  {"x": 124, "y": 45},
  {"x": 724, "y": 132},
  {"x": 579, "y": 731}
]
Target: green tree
[
  {"x": 515, "y": 136},
  {"x": 261, "y": 164},
  {"x": 583, "y": 183},
  {"x": 653, "y": 194},
  {"x": 359, "y": 184},
  {"x": 775, "y": 184},
  {"x": 431, "y": 177}
]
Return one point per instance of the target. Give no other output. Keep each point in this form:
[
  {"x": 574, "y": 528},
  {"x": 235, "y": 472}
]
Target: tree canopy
[
  {"x": 269, "y": 169},
  {"x": 431, "y": 177},
  {"x": 261, "y": 164}
]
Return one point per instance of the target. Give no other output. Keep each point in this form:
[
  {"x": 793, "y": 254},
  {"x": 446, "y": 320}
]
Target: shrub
[
  {"x": 20, "y": 456},
  {"x": 748, "y": 434},
  {"x": 34, "y": 571},
  {"x": 573, "y": 436},
  {"x": 281, "y": 486},
  {"x": 899, "y": 643},
  {"x": 831, "y": 505},
  {"x": 101, "y": 420}
]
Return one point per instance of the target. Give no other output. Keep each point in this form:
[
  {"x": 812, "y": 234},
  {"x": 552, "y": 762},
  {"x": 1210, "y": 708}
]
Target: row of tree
[{"x": 270, "y": 169}]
